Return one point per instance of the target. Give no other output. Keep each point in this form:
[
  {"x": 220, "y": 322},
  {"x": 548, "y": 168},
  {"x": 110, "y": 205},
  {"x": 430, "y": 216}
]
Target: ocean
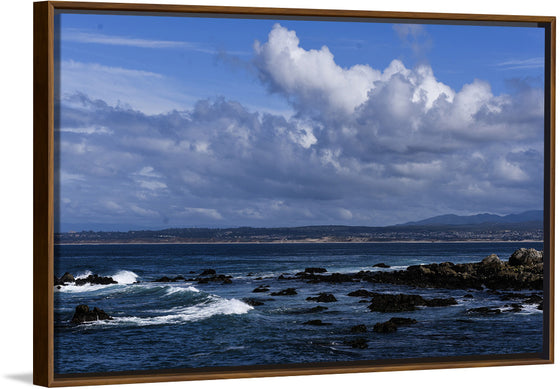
[{"x": 176, "y": 325}]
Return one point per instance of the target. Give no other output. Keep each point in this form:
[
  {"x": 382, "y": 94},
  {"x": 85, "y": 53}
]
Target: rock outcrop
[
  {"x": 323, "y": 298},
  {"x": 524, "y": 270},
  {"x": 83, "y": 314},
  {"x": 405, "y": 302}
]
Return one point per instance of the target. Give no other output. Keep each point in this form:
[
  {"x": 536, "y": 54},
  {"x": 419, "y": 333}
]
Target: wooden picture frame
[{"x": 44, "y": 111}]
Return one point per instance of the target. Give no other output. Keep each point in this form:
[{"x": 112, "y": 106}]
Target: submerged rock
[
  {"x": 358, "y": 328},
  {"x": 359, "y": 343},
  {"x": 385, "y": 327},
  {"x": 169, "y": 279},
  {"x": 395, "y": 302},
  {"x": 401, "y": 321},
  {"x": 315, "y": 270},
  {"x": 392, "y": 324},
  {"x": 316, "y": 323},
  {"x": 317, "y": 309},
  {"x": 485, "y": 310}
]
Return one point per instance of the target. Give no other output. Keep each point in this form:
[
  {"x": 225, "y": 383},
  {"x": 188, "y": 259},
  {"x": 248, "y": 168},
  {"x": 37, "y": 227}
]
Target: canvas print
[{"x": 236, "y": 191}]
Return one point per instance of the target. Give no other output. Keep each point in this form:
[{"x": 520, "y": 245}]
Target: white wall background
[{"x": 16, "y": 215}]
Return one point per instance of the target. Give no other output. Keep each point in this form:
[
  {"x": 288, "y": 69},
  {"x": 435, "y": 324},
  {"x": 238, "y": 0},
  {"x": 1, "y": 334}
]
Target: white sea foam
[
  {"x": 530, "y": 310},
  {"x": 85, "y": 274},
  {"x": 73, "y": 288},
  {"x": 184, "y": 314},
  {"x": 125, "y": 277},
  {"x": 179, "y": 289}
]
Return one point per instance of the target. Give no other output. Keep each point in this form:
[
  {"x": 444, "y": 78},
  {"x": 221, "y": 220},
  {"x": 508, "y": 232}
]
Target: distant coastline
[
  {"x": 300, "y": 242},
  {"x": 531, "y": 231}
]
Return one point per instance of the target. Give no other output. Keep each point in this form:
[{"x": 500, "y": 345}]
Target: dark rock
[
  {"x": 540, "y": 307},
  {"x": 317, "y": 309},
  {"x": 523, "y": 271},
  {"x": 334, "y": 278},
  {"x": 402, "y": 321},
  {"x": 285, "y": 292},
  {"x": 95, "y": 279},
  {"x": 525, "y": 257},
  {"x": 83, "y": 314},
  {"x": 316, "y": 323},
  {"x": 359, "y": 343},
  {"x": 66, "y": 277},
  {"x": 261, "y": 289},
  {"x": 533, "y": 299},
  {"x": 215, "y": 278},
  {"x": 490, "y": 265},
  {"x": 361, "y": 293},
  {"x": 168, "y": 279},
  {"x": 315, "y": 270},
  {"x": 392, "y": 324},
  {"x": 252, "y": 302},
  {"x": 163, "y": 279},
  {"x": 385, "y": 327},
  {"x": 492, "y": 259},
  {"x": 381, "y": 265},
  {"x": 323, "y": 298},
  {"x": 485, "y": 311},
  {"x": 358, "y": 328},
  {"x": 395, "y": 302},
  {"x": 514, "y": 307},
  {"x": 208, "y": 272},
  {"x": 441, "y": 302}
]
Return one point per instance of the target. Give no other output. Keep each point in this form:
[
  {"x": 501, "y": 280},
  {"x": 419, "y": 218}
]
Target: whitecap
[
  {"x": 125, "y": 277},
  {"x": 179, "y": 289},
  {"x": 73, "y": 288},
  {"x": 184, "y": 314},
  {"x": 85, "y": 274}
]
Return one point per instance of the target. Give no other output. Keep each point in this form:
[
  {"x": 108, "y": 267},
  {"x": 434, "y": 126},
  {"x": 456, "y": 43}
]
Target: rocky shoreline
[{"x": 522, "y": 271}]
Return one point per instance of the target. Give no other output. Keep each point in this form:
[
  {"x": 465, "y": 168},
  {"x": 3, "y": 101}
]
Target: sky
[{"x": 215, "y": 122}]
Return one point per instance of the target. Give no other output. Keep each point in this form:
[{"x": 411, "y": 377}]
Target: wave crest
[{"x": 182, "y": 315}]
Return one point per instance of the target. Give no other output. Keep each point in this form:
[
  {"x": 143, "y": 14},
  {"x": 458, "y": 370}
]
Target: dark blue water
[{"x": 186, "y": 324}]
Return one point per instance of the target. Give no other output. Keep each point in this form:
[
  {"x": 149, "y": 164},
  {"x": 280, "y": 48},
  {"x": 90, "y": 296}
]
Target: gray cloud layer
[{"x": 364, "y": 147}]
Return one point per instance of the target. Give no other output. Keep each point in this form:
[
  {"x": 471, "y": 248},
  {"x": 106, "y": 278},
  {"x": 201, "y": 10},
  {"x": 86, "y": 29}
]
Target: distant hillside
[
  {"x": 516, "y": 231},
  {"x": 454, "y": 220}
]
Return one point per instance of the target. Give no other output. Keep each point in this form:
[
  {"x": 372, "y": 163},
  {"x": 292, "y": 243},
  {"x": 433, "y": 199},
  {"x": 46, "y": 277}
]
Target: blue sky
[{"x": 182, "y": 122}]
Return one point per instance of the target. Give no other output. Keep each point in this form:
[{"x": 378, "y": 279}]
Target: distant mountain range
[{"x": 455, "y": 220}]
